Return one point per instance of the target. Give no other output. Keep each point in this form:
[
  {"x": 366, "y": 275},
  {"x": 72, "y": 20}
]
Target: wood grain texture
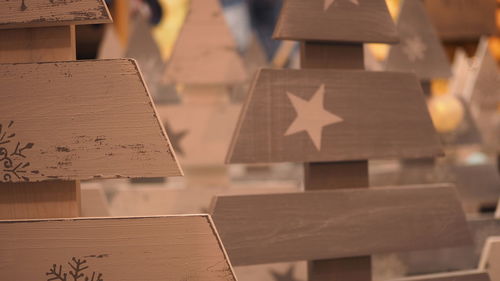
[
  {"x": 205, "y": 52},
  {"x": 331, "y": 55},
  {"x": 384, "y": 115},
  {"x": 344, "y": 21},
  {"x": 490, "y": 259},
  {"x": 37, "y": 13},
  {"x": 473, "y": 275},
  {"x": 458, "y": 20},
  {"x": 420, "y": 50},
  {"x": 342, "y": 223},
  {"x": 41, "y": 44},
  {"x": 34, "y": 200},
  {"x": 356, "y": 268},
  {"x": 126, "y": 249},
  {"x": 334, "y": 175},
  {"x": 80, "y": 120}
]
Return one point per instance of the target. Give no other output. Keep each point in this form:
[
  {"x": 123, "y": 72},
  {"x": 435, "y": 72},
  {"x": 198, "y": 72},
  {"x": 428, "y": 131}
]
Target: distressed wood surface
[
  {"x": 205, "y": 52},
  {"x": 147, "y": 248},
  {"x": 490, "y": 259},
  {"x": 454, "y": 258},
  {"x": 473, "y": 275},
  {"x": 459, "y": 20},
  {"x": 420, "y": 50},
  {"x": 80, "y": 120},
  {"x": 340, "y": 20},
  {"x": 37, "y": 13},
  {"x": 342, "y": 223},
  {"x": 361, "y": 115}
]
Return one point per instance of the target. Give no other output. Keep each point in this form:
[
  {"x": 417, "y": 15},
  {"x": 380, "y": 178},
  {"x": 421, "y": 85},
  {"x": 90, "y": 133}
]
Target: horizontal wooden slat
[
  {"x": 126, "y": 249},
  {"x": 382, "y": 115},
  {"x": 451, "y": 276},
  {"x": 79, "y": 120},
  {"x": 336, "y": 20},
  {"x": 312, "y": 225},
  {"x": 36, "y": 13}
]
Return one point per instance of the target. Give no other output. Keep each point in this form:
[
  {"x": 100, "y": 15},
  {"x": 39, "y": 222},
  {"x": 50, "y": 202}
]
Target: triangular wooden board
[
  {"x": 342, "y": 223},
  {"x": 205, "y": 52},
  {"x": 336, "y": 20},
  {"x": 200, "y": 133},
  {"x": 35, "y": 13},
  {"x": 110, "y": 47},
  {"x": 456, "y": 258},
  {"x": 93, "y": 201},
  {"x": 458, "y": 20},
  {"x": 473, "y": 275},
  {"x": 420, "y": 50},
  {"x": 80, "y": 120},
  {"x": 137, "y": 248},
  {"x": 490, "y": 259},
  {"x": 461, "y": 69},
  {"x": 390, "y": 120}
]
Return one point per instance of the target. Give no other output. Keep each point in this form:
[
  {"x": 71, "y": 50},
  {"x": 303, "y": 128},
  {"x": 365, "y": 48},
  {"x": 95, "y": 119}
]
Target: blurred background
[{"x": 198, "y": 58}]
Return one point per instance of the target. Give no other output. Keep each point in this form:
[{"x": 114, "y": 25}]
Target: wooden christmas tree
[
  {"x": 67, "y": 121},
  {"x": 334, "y": 117}
]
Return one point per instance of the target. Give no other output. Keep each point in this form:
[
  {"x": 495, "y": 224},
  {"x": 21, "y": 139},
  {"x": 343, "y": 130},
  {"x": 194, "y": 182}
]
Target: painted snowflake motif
[
  {"x": 76, "y": 273},
  {"x": 414, "y": 48}
]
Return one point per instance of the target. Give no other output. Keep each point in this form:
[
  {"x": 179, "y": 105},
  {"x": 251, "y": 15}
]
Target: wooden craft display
[
  {"x": 331, "y": 110},
  {"x": 472, "y": 275},
  {"x": 490, "y": 259}
]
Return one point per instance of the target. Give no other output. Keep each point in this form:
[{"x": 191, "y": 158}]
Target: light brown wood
[
  {"x": 459, "y": 20},
  {"x": 383, "y": 115},
  {"x": 331, "y": 55},
  {"x": 335, "y": 175},
  {"x": 37, "y": 44},
  {"x": 49, "y": 199},
  {"x": 93, "y": 201},
  {"x": 342, "y": 20},
  {"x": 420, "y": 50},
  {"x": 148, "y": 249},
  {"x": 490, "y": 259},
  {"x": 80, "y": 120},
  {"x": 473, "y": 275},
  {"x": 313, "y": 225},
  {"x": 38, "y": 13},
  {"x": 205, "y": 52}
]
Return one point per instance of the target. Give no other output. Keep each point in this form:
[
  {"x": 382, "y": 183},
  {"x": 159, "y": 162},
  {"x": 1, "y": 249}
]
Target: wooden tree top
[
  {"x": 365, "y": 21},
  {"x": 458, "y": 20},
  {"x": 266, "y": 228},
  {"x": 80, "y": 120},
  {"x": 205, "y": 52},
  {"x": 333, "y": 115},
  {"x": 38, "y": 13},
  {"x": 420, "y": 50},
  {"x": 139, "y": 248}
]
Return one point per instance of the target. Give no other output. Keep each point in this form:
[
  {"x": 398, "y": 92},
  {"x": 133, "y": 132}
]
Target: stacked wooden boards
[
  {"x": 334, "y": 117},
  {"x": 70, "y": 120}
]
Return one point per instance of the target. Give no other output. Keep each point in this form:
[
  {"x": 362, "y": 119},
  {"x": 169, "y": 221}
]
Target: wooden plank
[
  {"x": 331, "y": 55},
  {"x": 80, "y": 120},
  {"x": 420, "y": 50},
  {"x": 341, "y": 223},
  {"x": 473, "y": 275},
  {"x": 42, "y": 13},
  {"x": 37, "y": 44},
  {"x": 356, "y": 268},
  {"x": 490, "y": 259},
  {"x": 335, "y": 120},
  {"x": 205, "y": 52},
  {"x": 458, "y": 20},
  {"x": 330, "y": 175},
  {"x": 147, "y": 248},
  {"x": 336, "y": 20},
  {"x": 49, "y": 199}
]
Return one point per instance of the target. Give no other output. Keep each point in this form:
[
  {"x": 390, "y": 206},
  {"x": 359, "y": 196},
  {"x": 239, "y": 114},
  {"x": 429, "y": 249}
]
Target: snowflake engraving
[
  {"x": 414, "y": 48},
  {"x": 76, "y": 273},
  {"x": 13, "y": 161}
]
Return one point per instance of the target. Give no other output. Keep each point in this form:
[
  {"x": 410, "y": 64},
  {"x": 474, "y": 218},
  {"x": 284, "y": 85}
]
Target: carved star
[
  {"x": 287, "y": 276},
  {"x": 414, "y": 48},
  {"x": 329, "y": 3},
  {"x": 311, "y": 116},
  {"x": 175, "y": 138}
]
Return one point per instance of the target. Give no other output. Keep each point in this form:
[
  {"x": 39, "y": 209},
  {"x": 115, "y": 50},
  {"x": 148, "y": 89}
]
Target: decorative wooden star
[
  {"x": 175, "y": 138},
  {"x": 414, "y": 48},
  {"x": 311, "y": 116},
  {"x": 328, "y": 3},
  {"x": 287, "y": 276}
]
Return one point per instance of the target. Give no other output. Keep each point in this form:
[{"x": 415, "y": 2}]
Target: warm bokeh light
[
  {"x": 380, "y": 51},
  {"x": 169, "y": 27},
  {"x": 439, "y": 87},
  {"x": 446, "y": 112}
]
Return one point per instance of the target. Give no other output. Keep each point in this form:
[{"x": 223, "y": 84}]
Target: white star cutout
[
  {"x": 311, "y": 116},
  {"x": 329, "y": 3},
  {"x": 414, "y": 48}
]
